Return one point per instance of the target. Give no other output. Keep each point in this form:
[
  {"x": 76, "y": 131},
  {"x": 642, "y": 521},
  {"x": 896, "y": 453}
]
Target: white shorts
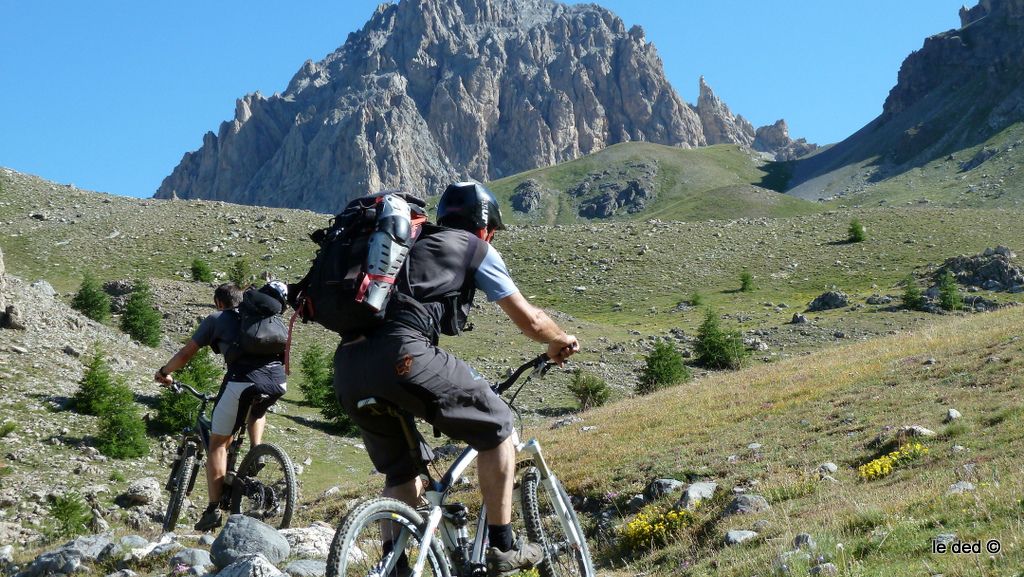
[{"x": 238, "y": 400}]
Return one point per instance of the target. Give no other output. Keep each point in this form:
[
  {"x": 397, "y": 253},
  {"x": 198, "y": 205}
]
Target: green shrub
[
  {"x": 857, "y": 232},
  {"x": 949, "y": 293},
  {"x": 70, "y": 515},
  {"x": 664, "y": 368},
  {"x": 90, "y": 300},
  {"x": 201, "y": 271},
  {"x": 176, "y": 411},
  {"x": 117, "y": 477},
  {"x": 717, "y": 348},
  {"x": 590, "y": 390},
  {"x": 240, "y": 273},
  {"x": 141, "y": 320},
  {"x": 122, "y": 432},
  {"x": 912, "y": 297},
  {"x": 7, "y": 428},
  {"x": 96, "y": 386},
  {"x": 317, "y": 386},
  {"x": 696, "y": 299},
  {"x": 746, "y": 282}
]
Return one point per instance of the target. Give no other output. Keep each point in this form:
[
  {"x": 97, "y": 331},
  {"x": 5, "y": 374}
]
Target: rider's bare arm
[
  {"x": 180, "y": 359},
  {"x": 537, "y": 325}
]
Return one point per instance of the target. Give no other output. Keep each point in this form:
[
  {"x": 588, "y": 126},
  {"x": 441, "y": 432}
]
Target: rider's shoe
[
  {"x": 522, "y": 556},
  {"x": 209, "y": 520}
]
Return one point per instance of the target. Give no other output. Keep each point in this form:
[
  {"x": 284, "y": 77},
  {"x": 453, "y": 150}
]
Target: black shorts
[{"x": 402, "y": 367}]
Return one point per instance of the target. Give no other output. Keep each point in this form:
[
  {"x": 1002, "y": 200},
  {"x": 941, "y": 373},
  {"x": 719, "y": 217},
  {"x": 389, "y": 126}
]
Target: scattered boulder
[
  {"x": 798, "y": 319},
  {"x": 828, "y": 468},
  {"x": 828, "y": 301},
  {"x": 197, "y": 559},
  {"x": 916, "y": 431},
  {"x": 61, "y": 561},
  {"x": 311, "y": 542},
  {"x": 306, "y": 568},
  {"x": 990, "y": 270},
  {"x": 527, "y": 196},
  {"x": 43, "y": 288},
  {"x": 746, "y": 504},
  {"x": 952, "y": 415},
  {"x": 826, "y": 569},
  {"x": 698, "y": 492},
  {"x": 244, "y": 536},
  {"x": 880, "y": 300},
  {"x": 658, "y": 488},
  {"x": 735, "y": 537},
  {"x": 145, "y": 491},
  {"x": 804, "y": 541},
  {"x": 253, "y": 565}
]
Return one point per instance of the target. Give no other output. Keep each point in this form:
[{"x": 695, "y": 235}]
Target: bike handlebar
[
  {"x": 540, "y": 366},
  {"x": 178, "y": 386}
]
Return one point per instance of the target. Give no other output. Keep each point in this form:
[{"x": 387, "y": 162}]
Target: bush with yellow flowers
[
  {"x": 886, "y": 464},
  {"x": 654, "y": 527}
]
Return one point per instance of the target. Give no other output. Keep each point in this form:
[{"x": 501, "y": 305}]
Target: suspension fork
[{"x": 547, "y": 477}]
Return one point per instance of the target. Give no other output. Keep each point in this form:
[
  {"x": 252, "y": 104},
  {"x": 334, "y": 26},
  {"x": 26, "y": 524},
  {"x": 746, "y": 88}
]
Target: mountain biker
[
  {"x": 250, "y": 387},
  {"x": 401, "y": 363}
]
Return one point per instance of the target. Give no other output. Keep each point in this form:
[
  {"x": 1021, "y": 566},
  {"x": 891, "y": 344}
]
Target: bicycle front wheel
[
  {"x": 358, "y": 547},
  {"x": 264, "y": 487},
  {"x": 551, "y": 522},
  {"x": 179, "y": 488}
]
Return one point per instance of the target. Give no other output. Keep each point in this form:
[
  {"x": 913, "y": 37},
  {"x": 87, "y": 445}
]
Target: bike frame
[
  {"x": 449, "y": 517},
  {"x": 198, "y": 437}
]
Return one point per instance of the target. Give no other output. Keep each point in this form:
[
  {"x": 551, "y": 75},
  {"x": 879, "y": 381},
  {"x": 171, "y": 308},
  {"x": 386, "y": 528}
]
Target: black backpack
[
  {"x": 263, "y": 332},
  {"x": 332, "y": 292}
]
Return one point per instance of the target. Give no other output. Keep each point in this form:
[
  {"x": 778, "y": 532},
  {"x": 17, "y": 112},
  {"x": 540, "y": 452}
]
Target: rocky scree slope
[
  {"x": 960, "y": 89},
  {"x": 431, "y": 91}
]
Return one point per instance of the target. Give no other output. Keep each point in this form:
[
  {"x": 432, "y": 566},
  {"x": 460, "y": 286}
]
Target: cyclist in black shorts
[
  {"x": 401, "y": 363},
  {"x": 250, "y": 386}
]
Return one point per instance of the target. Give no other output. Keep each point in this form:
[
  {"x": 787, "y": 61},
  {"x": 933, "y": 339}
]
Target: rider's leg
[
  {"x": 495, "y": 468},
  {"x": 255, "y": 428},
  {"x": 409, "y": 492},
  {"x": 217, "y": 465}
]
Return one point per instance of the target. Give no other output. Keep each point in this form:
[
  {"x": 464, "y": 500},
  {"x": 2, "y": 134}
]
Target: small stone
[
  {"x": 735, "y": 537},
  {"x": 658, "y": 488},
  {"x": 804, "y": 541},
  {"x": 828, "y": 468},
  {"x": 917, "y": 431},
  {"x": 944, "y": 538},
  {"x": 754, "y": 446},
  {"x": 798, "y": 319},
  {"x": 931, "y": 361},
  {"x": 959, "y": 448},
  {"x": 745, "y": 504},
  {"x": 825, "y": 569},
  {"x": 697, "y": 492},
  {"x": 952, "y": 415},
  {"x": 961, "y": 487}
]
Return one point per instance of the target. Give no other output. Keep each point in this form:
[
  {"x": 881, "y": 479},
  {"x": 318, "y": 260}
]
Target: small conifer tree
[
  {"x": 746, "y": 282},
  {"x": 912, "y": 297},
  {"x": 317, "y": 386},
  {"x": 176, "y": 411},
  {"x": 857, "y": 232},
  {"x": 717, "y": 348},
  {"x": 69, "y": 514},
  {"x": 122, "y": 432},
  {"x": 96, "y": 386},
  {"x": 664, "y": 368},
  {"x": 240, "y": 273},
  {"x": 90, "y": 300},
  {"x": 696, "y": 299},
  {"x": 590, "y": 390},
  {"x": 201, "y": 271},
  {"x": 141, "y": 320},
  {"x": 949, "y": 294}
]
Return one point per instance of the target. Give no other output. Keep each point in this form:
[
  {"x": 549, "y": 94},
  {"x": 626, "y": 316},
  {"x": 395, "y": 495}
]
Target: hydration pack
[
  {"x": 361, "y": 252},
  {"x": 263, "y": 332}
]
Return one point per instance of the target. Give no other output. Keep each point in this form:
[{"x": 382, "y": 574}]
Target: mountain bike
[
  {"x": 436, "y": 537},
  {"x": 262, "y": 487}
]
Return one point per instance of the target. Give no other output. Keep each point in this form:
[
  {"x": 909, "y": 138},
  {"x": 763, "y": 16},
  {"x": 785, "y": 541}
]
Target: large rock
[
  {"x": 244, "y": 536},
  {"x": 746, "y": 504},
  {"x": 145, "y": 491},
  {"x": 829, "y": 300},
  {"x": 992, "y": 270},
  {"x": 658, "y": 488},
  {"x": 528, "y": 196},
  {"x": 306, "y": 568},
  {"x": 433, "y": 90},
  {"x": 718, "y": 122},
  {"x": 697, "y": 492},
  {"x": 198, "y": 559},
  {"x": 254, "y": 565},
  {"x": 61, "y": 561},
  {"x": 313, "y": 542}
]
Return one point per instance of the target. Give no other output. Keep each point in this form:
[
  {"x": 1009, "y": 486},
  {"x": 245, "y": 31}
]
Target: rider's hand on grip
[{"x": 562, "y": 348}]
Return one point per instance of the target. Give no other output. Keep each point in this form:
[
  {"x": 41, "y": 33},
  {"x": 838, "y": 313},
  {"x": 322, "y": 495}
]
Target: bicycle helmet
[
  {"x": 278, "y": 290},
  {"x": 470, "y": 206}
]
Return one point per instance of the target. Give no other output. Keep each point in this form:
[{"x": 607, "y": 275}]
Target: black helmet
[{"x": 469, "y": 206}]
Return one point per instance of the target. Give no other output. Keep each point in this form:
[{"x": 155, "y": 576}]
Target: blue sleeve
[{"x": 492, "y": 277}]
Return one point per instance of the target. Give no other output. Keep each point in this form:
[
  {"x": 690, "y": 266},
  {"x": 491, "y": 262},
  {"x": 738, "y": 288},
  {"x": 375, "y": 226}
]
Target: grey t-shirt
[
  {"x": 492, "y": 276},
  {"x": 220, "y": 331}
]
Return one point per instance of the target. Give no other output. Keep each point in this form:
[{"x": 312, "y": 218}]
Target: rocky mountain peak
[{"x": 429, "y": 91}]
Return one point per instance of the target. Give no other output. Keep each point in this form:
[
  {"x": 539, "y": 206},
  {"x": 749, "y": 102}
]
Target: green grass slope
[{"x": 691, "y": 184}]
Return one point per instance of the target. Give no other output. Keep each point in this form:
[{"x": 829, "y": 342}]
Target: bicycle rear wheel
[
  {"x": 264, "y": 487},
  {"x": 565, "y": 548},
  {"x": 358, "y": 546},
  {"x": 179, "y": 488}
]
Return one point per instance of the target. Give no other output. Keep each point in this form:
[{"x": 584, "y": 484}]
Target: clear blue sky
[{"x": 109, "y": 95}]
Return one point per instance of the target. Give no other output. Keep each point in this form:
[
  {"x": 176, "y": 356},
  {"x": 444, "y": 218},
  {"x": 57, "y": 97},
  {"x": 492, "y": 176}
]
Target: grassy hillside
[
  {"x": 819, "y": 392},
  {"x": 691, "y": 184}
]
